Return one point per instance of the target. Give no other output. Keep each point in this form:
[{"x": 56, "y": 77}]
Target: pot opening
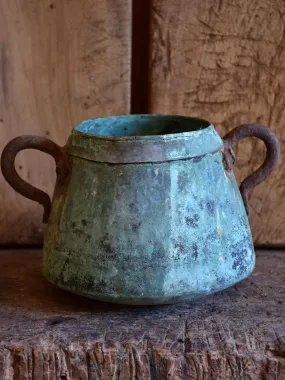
[{"x": 141, "y": 125}]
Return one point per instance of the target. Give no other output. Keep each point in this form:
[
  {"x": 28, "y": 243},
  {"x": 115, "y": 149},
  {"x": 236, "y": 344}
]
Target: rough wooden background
[{"x": 63, "y": 62}]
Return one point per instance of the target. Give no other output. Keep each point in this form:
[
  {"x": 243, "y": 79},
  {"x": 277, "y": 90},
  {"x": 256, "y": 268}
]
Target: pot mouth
[
  {"x": 143, "y": 138},
  {"x": 128, "y": 127}
]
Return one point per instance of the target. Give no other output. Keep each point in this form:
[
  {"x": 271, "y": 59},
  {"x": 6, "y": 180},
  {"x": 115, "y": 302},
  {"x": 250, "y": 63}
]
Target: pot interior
[{"x": 141, "y": 125}]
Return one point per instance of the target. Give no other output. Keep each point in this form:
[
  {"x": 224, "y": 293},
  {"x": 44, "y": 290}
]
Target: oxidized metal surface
[
  {"x": 151, "y": 233},
  {"x": 272, "y": 155},
  {"x": 10, "y": 174},
  {"x": 161, "y": 220}
]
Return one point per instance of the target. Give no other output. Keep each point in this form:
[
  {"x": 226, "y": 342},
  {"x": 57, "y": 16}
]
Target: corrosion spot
[
  {"x": 192, "y": 221},
  {"x": 195, "y": 252},
  {"x": 106, "y": 247},
  {"x": 210, "y": 207},
  {"x": 78, "y": 231},
  {"x": 51, "y": 6},
  {"x": 239, "y": 255},
  {"x": 136, "y": 226},
  {"x": 180, "y": 247}
]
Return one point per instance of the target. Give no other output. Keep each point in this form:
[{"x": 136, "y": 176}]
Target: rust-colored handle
[
  {"x": 271, "y": 160},
  {"x": 10, "y": 174}
]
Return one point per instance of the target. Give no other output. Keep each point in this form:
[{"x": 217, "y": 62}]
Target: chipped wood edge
[{"x": 99, "y": 360}]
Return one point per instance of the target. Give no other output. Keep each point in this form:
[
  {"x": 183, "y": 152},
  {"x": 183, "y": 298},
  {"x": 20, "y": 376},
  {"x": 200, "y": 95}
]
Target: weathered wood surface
[
  {"x": 49, "y": 334},
  {"x": 61, "y": 62},
  {"x": 225, "y": 61}
]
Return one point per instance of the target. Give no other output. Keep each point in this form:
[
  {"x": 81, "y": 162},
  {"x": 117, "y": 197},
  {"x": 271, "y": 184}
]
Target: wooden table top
[{"x": 47, "y": 333}]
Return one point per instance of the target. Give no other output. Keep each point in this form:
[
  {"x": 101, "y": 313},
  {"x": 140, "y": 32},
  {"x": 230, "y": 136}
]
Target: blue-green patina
[{"x": 150, "y": 214}]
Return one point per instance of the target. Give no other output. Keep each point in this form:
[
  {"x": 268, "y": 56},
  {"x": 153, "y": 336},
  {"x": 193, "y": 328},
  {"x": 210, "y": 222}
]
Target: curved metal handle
[
  {"x": 272, "y": 156},
  {"x": 10, "y": 174}
]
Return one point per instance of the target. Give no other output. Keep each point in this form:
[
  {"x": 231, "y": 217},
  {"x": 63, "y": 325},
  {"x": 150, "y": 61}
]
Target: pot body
[{"x": 158, "y": 231}]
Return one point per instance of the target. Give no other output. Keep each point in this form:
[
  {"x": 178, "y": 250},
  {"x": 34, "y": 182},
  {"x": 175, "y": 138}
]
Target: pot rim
[{"x": 148, "y": 148}]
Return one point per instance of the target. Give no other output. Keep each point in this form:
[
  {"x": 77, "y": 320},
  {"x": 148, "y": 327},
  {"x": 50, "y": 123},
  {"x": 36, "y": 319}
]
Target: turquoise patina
[{"x": 148, "y": 213}]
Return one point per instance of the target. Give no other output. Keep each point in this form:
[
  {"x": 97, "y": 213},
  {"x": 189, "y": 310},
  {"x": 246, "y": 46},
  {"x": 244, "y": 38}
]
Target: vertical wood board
[{"x": 61, "y": 62}]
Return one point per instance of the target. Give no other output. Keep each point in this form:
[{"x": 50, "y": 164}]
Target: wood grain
[
  {"x": 225, "y": 61},
  {"x": 48, "y": 334},
  {"x": 61, "y": 62}
]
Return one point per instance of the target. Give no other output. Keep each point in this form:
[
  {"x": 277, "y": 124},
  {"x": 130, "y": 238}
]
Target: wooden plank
[
  {"x": 224, "y": 61},
  {"x": 61, "y": 62},
  {"x": 47, "y": 333}
]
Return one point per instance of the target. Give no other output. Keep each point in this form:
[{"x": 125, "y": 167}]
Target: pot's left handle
[{"x": 10, "y": 174}]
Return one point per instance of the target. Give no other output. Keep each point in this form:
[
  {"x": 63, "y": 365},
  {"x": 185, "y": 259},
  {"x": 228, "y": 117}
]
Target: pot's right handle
[
  {"x": 271, "y": 160},
  {"x": 10, "y": 174}
]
